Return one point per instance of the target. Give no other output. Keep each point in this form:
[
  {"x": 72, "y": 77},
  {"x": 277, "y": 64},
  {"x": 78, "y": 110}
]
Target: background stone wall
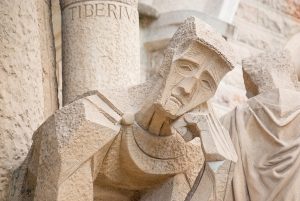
[{"x": 28, "y": 92}]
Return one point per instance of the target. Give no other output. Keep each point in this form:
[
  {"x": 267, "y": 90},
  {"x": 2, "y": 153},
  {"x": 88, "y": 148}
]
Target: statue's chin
[{"x": 171, "y": 108}]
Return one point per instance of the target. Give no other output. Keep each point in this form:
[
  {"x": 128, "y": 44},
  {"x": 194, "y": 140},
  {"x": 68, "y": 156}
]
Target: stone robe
[{"x": 266, "y": 135}]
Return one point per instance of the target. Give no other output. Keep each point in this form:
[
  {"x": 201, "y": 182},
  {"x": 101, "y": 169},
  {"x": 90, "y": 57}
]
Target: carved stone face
[{"x": 194, "y": 75}]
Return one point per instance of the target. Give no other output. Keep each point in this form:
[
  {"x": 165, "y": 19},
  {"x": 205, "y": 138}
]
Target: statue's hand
[
  {"x": 216, "y": 143},
  {"x": 187, "y": 126}
]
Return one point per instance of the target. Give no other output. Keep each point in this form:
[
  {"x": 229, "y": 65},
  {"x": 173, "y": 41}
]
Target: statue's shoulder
[
  {"x": 90, "y": 117},
  {"x": 75, "y": 133}
]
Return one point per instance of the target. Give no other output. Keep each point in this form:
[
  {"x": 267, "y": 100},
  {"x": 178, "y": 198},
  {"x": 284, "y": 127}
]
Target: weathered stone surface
[
  {"x": 266, "y": 16},
  {"x": 47, "y": 57},
  {"x": 59, "y": 151},
  {"x": 293, "y": 46},
  {"x": 175, "y": 189},
  {"x": 110, "y": 51},
  {"x": 260, "y": 15},
  {"x": 259, "y": 25},
  {"x": 21, "y": 84},
  {"x": 219, "y": 9},
  {"x": 151, "y": 158},
  {"x": 265, "y": 131},
  {"x": 156, "y": 36},
  {"x": 214, "y": 183},
  {"x": 290, "y": 7},
  {"x": 145, "y": 8},
  {"x": 95, "y": 148},
  {"x": 258, "y": 37},
  {"x": 271, "y": 71}
]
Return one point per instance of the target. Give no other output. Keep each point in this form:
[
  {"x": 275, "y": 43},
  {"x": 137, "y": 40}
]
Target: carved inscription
[{"x": 117, "y": 11}]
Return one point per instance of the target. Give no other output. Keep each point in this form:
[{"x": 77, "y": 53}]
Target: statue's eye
[
  {"x": 186, "y": 68},
  {"x": 206, "y": 84}
]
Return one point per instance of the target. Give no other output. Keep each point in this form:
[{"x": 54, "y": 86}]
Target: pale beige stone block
[
  {"x": 21, "y": 85},
  {"x": 100, "y": 42}
]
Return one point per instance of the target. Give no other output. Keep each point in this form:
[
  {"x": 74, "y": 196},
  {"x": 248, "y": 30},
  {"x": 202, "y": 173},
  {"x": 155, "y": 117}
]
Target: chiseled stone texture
[
  {"x": 293, "y": 46},
  {"x": 47, "y": 56},
  {"x": 56, "y": 24},
  {"x": 262, "y": 24},
  {"x": 93, "y": 141},
  {"x": 257, "y": 37},
  {"x": 265, "y": 131},
  {"x": 21, "y": 88},
  {"x": 110, "y": 31},
  {"x": 290, "y": 7},
  {"x": 269, "y": 18}
]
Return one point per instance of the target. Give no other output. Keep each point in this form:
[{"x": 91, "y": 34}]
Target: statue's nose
[{"x": 187, "y": 86}]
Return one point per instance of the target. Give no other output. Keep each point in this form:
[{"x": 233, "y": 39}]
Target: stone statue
[
  {"x": 156, "y": 141},
  {"x": 266, "y": 131}
]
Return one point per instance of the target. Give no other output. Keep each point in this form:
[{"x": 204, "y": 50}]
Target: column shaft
[{"x": 100, "y": 45}]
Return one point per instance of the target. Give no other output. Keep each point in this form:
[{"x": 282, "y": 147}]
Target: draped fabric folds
[{"x": 266, "y": 135}]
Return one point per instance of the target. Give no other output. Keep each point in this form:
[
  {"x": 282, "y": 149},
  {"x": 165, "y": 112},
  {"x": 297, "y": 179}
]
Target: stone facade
[{"x": 28, "y": 86}]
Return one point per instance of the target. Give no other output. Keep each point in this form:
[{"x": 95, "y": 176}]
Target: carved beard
[
  {"x": 172, "y": 107},
  {"x": 154, "y": 120}
]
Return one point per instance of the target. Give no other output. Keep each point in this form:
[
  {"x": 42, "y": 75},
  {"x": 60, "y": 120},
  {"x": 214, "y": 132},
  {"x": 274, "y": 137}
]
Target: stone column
[
  {"x": 21, "y": 84},
  {"x": 100, "y": 45}
]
